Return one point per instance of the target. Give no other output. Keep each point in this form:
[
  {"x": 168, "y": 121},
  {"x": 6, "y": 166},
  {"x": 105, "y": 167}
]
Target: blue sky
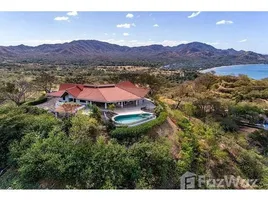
[{"x": 238, "y": 30}]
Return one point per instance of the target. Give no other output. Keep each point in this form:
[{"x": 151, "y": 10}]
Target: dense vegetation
[{"x": 206, "y": 125}]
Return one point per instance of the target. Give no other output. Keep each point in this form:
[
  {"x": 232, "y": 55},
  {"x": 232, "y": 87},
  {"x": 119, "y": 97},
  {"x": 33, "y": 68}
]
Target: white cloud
[
  {"x": 125, "y": 34},
  {"x": 37, "y": 42},
  {"x": 72, "y": 13},
  {"x": 113, "y": 41},
  {"x": 61, "y": 18},
  {"x": 244, "y": 40},
  {"x": 194, "y": 14},
  {"x": 172, "y": 43},
  {"x": 124, "y": 25},
  {"x": 129, "y": 15},
  {"x": 134, "y": 25},
  {"x": 224, "y": 22},
  {"x": 155, "y": 25},
  {"x": 212, "y": 43},
  {"x": 130, "y": 43},
  {"x": 136, "y": 43}
]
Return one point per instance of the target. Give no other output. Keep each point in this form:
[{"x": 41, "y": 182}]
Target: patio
[
  {"x": 132, "y": 109},
  {"x": 55, "y": 105}
]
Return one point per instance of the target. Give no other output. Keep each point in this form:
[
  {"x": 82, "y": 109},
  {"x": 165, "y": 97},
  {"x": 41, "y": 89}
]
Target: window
[
  {"x": 63, "y": 98},
  {"x": 82, "y": 101},
  {"x": 71, "y": 99}
]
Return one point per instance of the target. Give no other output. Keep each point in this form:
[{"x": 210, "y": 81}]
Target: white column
[
  {"x": 122, "y": 104},
  {"x": 90, "y": 103},
  {"x": 136, "y": 102},
  {"x": 105, "y": 105}
]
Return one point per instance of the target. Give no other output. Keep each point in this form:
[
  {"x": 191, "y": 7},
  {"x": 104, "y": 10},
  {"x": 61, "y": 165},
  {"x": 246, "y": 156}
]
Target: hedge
[
  {"x": 138, "y": 131},
  {"x": 36, "y": 102}
]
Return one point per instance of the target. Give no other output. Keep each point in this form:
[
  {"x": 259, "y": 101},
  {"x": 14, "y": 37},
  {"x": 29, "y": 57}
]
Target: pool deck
[
  {"x": 134, "y": 123},
  {"x": 142, "y": 122},
  {"x": 134, "y": 109}
]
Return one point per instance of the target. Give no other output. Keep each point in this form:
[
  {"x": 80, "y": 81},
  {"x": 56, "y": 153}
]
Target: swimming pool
[{"x": 128, "y": 119}]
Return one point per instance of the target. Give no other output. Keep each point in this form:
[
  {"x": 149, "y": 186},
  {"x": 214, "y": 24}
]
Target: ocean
[{"x": 255, "y": 71}]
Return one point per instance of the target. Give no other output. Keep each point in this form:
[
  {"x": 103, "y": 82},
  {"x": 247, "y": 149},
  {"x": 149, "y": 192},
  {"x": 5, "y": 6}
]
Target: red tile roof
[
  {"x": 130, "y": 87},
  {"x": 123, "y": 91},
  {"x": 57, "y": 94},
  {"x": 74, "y": 91},
  {"x": 65, "y": 86},
  {"x": 67, "y": 108},
  {"x": 126, "y": 84}
]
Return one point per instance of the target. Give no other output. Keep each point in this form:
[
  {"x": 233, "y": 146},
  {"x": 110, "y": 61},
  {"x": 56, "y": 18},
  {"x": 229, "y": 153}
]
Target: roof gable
[
  {"x": 65, "y": 86},
  {"x": 74, "y": 91},
  {"x": 130, "y": 87}
]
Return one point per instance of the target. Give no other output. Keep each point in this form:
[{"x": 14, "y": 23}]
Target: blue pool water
[
  {"x": 131, "y": 118},
  {"x": 255, "y": 71}
]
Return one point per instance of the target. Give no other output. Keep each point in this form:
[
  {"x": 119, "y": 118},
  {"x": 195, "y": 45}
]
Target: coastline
[
  {"x": 225, "y": 66},
  {"x": 254, "y": 71}
]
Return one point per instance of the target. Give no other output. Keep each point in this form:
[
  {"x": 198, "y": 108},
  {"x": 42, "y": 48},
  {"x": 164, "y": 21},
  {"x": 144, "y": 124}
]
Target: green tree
[
  {"x": 44, "y": 159},
  {"x": 189, "y": 109},
  {"x": 84, "y": 128},
  {"x": 96, "y": 113},
  {"x": 111, "y": 107},
  {"x": 110, "y": 166},
  {"x": 16, "y": 91},
  {"x": 15, "y": 122},
  {"x": 157, "y": 167},
  {"x": 44, "y": 81}
]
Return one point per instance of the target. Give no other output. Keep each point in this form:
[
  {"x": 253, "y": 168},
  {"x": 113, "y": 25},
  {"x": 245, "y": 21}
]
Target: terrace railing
[{"x": 137, "y": 122}]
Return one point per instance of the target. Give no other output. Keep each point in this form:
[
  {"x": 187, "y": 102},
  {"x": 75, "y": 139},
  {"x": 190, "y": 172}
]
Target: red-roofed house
[{"x": 121, "y": 94}]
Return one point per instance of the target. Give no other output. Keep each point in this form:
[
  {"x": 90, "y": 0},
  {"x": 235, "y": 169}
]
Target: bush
[
  {"x": 111, "y": 107},
  {"x": 161, "y": 107},
  {"x": 136, "y": 132},
  {"x": 184, "y": 124},
  {"x": 96, "y": 113},
  {"x": 229, "y": 124},
  {"x": 259, "y": 139},
  {"x": 37, "y": 102},
  {"x": 251, "y": 165}
]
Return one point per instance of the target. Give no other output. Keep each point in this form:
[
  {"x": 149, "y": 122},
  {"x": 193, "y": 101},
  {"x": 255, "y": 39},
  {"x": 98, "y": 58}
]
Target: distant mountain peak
[{"x": 193, "y": 54}]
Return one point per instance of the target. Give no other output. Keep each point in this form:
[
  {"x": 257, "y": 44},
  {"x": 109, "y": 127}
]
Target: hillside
[
  {"x": 206, "y": 124},
  {"x": 93, "y": 52}
]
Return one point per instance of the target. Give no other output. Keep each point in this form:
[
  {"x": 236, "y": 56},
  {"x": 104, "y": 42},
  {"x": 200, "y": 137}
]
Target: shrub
[
  {"x": 229, "y": 124},
  {"x": 96, "y": 112},
  {"x": 111, "y": 107},
  {"x": 250, "y": 164},
  {"x": 37, "y": 102},
  {"x": 184, "y": 124},
  {"x": 136, "y": 132},
  {"x": 158, "y": 109},
  {"x": 161, "y": 107}
]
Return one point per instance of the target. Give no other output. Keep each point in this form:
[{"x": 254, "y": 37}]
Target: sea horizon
[{"x": 260, "y": 71}]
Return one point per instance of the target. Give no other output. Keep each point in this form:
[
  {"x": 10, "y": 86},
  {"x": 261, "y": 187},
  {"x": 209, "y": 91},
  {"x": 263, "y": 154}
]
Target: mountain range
[{"x": 93, "y": 52}]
